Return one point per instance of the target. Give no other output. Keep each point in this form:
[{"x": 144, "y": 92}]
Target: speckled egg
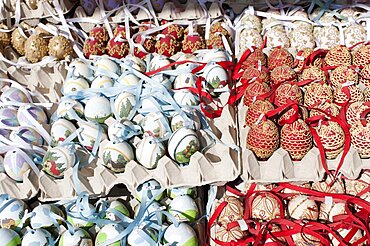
[
  {"x": 5, "y": 37},
  {"x": 124, "y": 105},
  {"x": 18, "y": 41},
  {"x": 37, "y": 237},
  {"x": 93, "y": 46},
  {"x": 60, "y": 47},
  {"x": 57, "y": 160},
  {"x": 148, "y": 152},
  {"x": 80, "y": 237},
  {"x": 8, "y": 116},
  {"x": 90, "y": 134},
  {"x": 37, "y": 113},
  {"x": 118, "y": 47},
  {"x": 60, "y": 131},
  {"x": 97, "y": 109},
  {"x": 35, "y": 48},
  {"x": 182, "y": 235},
  {"x": 12, "y": 214},
  {"x": 73, "y": 85},
  {"x": 117, "y": 155},
  {"x": 182, "y": 144},
  {"x": 15, "y": 165},
  {"x": 184, "y": 209}
]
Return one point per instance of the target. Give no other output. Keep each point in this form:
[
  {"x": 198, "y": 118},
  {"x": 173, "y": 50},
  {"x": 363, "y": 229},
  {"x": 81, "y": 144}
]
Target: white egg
[
  {"x": 97, "y": 109},
  {"x": 106, "y": 64},
  {"x": 183, "y": 144},
  {"x": 185, "y": 80},
  {"x": 80, "y": 237},
  {"x": 14, "y": 94},
  {"x": 9, "y": 237},
  {"x": 80, "y": 68},
  {"x": 215, "y": 75},
  {"x": 183, "y": 235},
  {"x": 73, "y": 85},
  {"x": 108, "y": 232},
  {"x": 37, "y": 113},
  {"x": 216, "y": 55},
  {"x": 57, "y": 160},
  {"x": 101, "y": 81},
  {"x": 78, "y": 216},
  {"x": 155, "y": 124},
  {"x": 135, "y": 63},
  {"x": 184, "y": 209},
  {"x": 37, "y": 237},
  {"x": 89, "y": 134},
  {"x": 158, "y": 61},
  {"x": 117, "y": 155},
  {"x": 185, "y": 98},
  {"x": 178, "y": 121},
  {"x": 136, "y": 238},
  {"x": 118, "y": 207},
  {"x": 128, "y": 79},
  {"x": 148, "y": 152},
  {"x": 175, "y": 192},
  {"x": 12, "y": 214},
  {"x": 42, "y": 216},
  {"x": 60, "y": 131},
  {"x": 122, "y": 130},
  {"x": 163, "y": 80},
  {"x": 150, "y": 212},
  {"x": 64, "y": 107},
  {"x": 149, "y": 189},
  {"x": 124, "y": 105},
  {"x": 15, "y": 165}
]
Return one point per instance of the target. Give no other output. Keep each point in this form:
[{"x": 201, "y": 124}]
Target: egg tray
[{"x": 281, "y": 168}]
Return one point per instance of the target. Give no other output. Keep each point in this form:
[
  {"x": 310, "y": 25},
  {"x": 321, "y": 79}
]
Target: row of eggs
[{"x": 44, "y": 227}]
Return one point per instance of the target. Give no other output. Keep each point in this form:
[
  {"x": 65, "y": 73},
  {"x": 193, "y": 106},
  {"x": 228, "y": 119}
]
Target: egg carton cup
[
  {"x": 22, "y": 190},
  {"x": 281, "y": 168}
]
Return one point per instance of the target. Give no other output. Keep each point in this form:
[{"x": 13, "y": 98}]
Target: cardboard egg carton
[{"x": 281, "y": 168}]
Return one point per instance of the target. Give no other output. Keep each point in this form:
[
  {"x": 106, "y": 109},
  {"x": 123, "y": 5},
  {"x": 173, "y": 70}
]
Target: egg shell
[
  {"x": 106, "y": 64},
  {"x": 265, "y": 207},
  {"x": 187, "y": 57},
  {"x": 13, "y": 94},
  {"x": 117, "y": 155},
  {"x": 305, "y": 239},
  {"x": 228, "y": 235},
  {"x": 18, "y": 41},
  {"x": 332, "y": 137},
  {"x": 154, "y": 124},
  {"x": 42, "y": 218},
  {"x": 65, "y": 105},
  {"x": 215, "y": 75},
  {"x": 60, "y": 47},
  {"x": 279, "y": 57},
  {"x": 128, "y": 80},
  {"x": 192, "y": 43},
  {"x": 57, "y": 160},
  {"x": 249, "y": 38},
  {"x": 99, "y": 33},
  {"x": 185, "y": 80},
  {"x": 163, "y": 80},
  {"x": 9, "y": 237},
  {"x": 93, "y": 47},
  {"x": 36, "y": 112},
  {"x": 119, "y": 207},
  {"x": 149, "y": 213},
  {"x": 251, "y": 21},
  {"x": 79, "y": 220},
  {"x": 277, "y": 38},
  {"x": 124, "y": 104},
  {"x": 182, "y": 144},
  {"x": 135, "y": 63},
  {"x": 175, "y": 31},
  {"x": 81, "y": 68},
  {"x": 28, "y": 135},
  {"x": 148, "y": 152},
  {"x": 158, "y": 61},
  {"x": 60, "y": 131},
  {"x": 329, "y": 186},
  {"x": 183, "y": 235},
  {"x": 354, "y": 34},
  {"x": 185, "y": 98},
  {"x": 178, "y": 121},
  {"x": 167, "y": 45},
  {"x": 215, "y": 55},
  {"x": 215, "y": 41},
  {"x": 12, "y": 214},
  {"x": 184, "y": 209},
  {"x": 35, "y": 48},
  {"x": 256, "y": 109},
  {"x": 38, "y": 236},
  {"x": 149, "y": 189},
  {"x": 175, "y": 192},
  {"x": 15, "y": 165},
  {"x": 117, "y": 48},
  {"x": 301, "y": 207},
  {"x": 136, "y": 238},
  {"x": 89, "y": 134},
  {"x": 97, "y": 109},
  {"x": 73, "y": 85},
  {"x": 80, "y": 237},
  {"x": 5, "y": 37},
  {"x": 316, "y": 93},
  {"x": 362, "y": 56},
  {"x": 102, "y": 81},
  {"x": 328, "y": 211},
  {"x": 108, "y": 232},
  {"x": 8, "y": 116},
  {"x": 328, "y": 37}
]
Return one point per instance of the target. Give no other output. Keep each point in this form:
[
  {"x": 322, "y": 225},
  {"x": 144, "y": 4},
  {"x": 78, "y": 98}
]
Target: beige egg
[
  {"x": 60, "y": 47},
  {"x": 18, "y": 41},
  {"x": 35, "y": 48},
  {"x": 5, "y": 36}
]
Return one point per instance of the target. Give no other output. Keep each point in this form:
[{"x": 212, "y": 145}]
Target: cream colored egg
[
  {"x": 182, "y": 144},
  {"x": 128, "y": 80},
  {"x": 136, "y": 63},
  {"x": 102, "y": 81},
  {"x": 81, "y": 68},
  {"x": 155, "y": 124},
  {"x": 277, "y": 38},
  {"x": 117, "y": 155},
  {"x": 301, "y": 207},
  {"x": 66, "y": 106},
  {"x": 124, "y": 105},
  {"x": 216, "y": 55},
  {"x": 106, "y": 64},
  {"x": 148, "y": 152},
  {"x": 249, "y": 38},
  {"x": 178, "y": 121},
  {"x": 90, "y": 133},
  {"x": 158, "y": 61},
  {"x": 185, "y": 80},
  {"x": 73, "y": 85},
  {"x": 97, "y": 109},
  {"x": 354, "y": 34}
]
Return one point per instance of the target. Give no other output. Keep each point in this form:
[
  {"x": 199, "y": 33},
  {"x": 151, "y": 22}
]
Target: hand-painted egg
[
  {"x": 97, "y": 109},
  {"x": 109, "y": 232},
  {"x": 135, "y": 63},
  {"x": 249, "y": 38},
  {"x": 251, "y": 21},
  {"x": 338, "y": 56},
  {"x": 121, "y": 130},
  {"x": 182, "y": 144},
  {"x": 80, "y": 237},
  {"x": 328, "y": 211},
  {"x": 148, "y": 152},
  {"x": 78, "y": 216},
  {"x": 99, "y": 33},
  {"x": 8, "y": 116},
  {"x": 60, "y": 131},
  {"x": 117, "y": 155},
  {"x": 28, "y": 135},
  {"x": 215, "y": 41},
  {"x": 215, "y": 75},
  {"x": 192, "y": 43},
  {"x": 328, "y": 37},
  {"x": 93, "y": 46},
  {"x": 192, "y": 122},
  {"x": 151, "y": 211},
  {"x": 175, "y": 31},
  {"x": 354, "y": 237},
  {"x": 81, "y": 68},
  {"x": 136, "y": 236},
  {"x": 279, "y": 57},
  {"x": 118, "y": 208},
  {"x": 90, "y": 134},
  {"x": 35, "y": 48},
  {"x": 37, "y": 237},
  {"x": 43, "y": 216},
  {"x": 182, "y": 235},
  {"x": 13, "y": 211},
  {"x": 60, "y": 47},
  {"x": 266, "y": 207},
  {"x": 73, "y": 85},
  {"x": 149, "y": 189},
  {"x": 148, "y": 44},
  {"x": 57, "y": 160},
  {"x": 14, "y": 94},
  {"x": 163, "y": 80},
  {"x": 158, "y": 61},
  {"x": 66, "y": 106},
  {"x": 184, "y": 209},
  {"x": 124, "y": 105},
  {"x": 9, "y": 237},
  {"x": 102, "y": 81},
  {"x": 37, "y": 113},
  {"x": 106, "y": 64},
  {"x": 118, "y": 47},
  {"x": 185, "y": 98},
  {"x": 175, "y": 192},
  {"x": 216, "y": 55},
  {"x": 155, "y": 124},
  {"x": 128, "y": 80},
  {"x": 185, "y": 80},
  {"x": 167, "y": 45},
  {"x": 226, "y": 235},
  {"x": 15, "y": 165},
  {"x": 301, "y": 207},
  {"x": 18, "y": 41},
  {"x": 300, "y": 39},
  {"x": 5, "y": 36}
]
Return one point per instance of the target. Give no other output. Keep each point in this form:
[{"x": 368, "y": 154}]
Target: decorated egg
[
  {"x": 256, "y": 109},
  {"x": 182, "y": 144},
  {"x": 185, "y": 98},
  {"x": 136, "y": 236},
  {"x": 90, "y": 134},
  {"x": 279, "y": 57},
  {"x": 360, "y": 138},
  {"x": 163, "y": 80},
  {"x": 118, "y": 47},
  {"x": 155, "y": 124},
  {"x": 135, "y": 63},
  {"x": 159, "y": 61},
  {"x": 124, "y": 105},
  {"x": 26, "y": 112},
  {"x": 184, "y": 209},
  {"x": 122, "y": 130},
  {"x": 251, "y": 21},
  {"x": 354, "y": 34},
  {"x": 28, "y": 135},
  {"x": 97, "y": 109},
  {"x": 18, "y": 41},
  {"x": 148, "y": 152},
  {"x": 226, "y": 235},
  {"x": 35, "y": 48},
  {"x": 316, "y": 93},
  {"x": 328, "y": 211},
  {"x": 78, "y": 216},
  {"x": 192, "y": 43},
  {"x": 99, "y": 33},
  {"x": 106, "y": 64},
  {"x": 365, "y": 76},
  {"x": 13, "y": 211},
  {"x": 117, "y": 207},
  {"x": 57, "y": 160},
  {"x": 255, "y": 57},
  {"x": 355, "y": 236},
  {"x": 192, "y": 121},
  {"x": 216, "y": 55},
  {"x": 362, "y": 56},
  {"x": 80, "y": 237},
  {"x": 182, "y": 235},
  {"x": 343, "y": 74},
  {"x": 60, "y": 47},
  {"x": 277, "y": 38},
  {"x": 300, "y": 239},
  {"x": 301, "y": 207},
  {"x": 215, "y": 41},
  {"x": 332, "y": 137},
  {"x": 265, "y": 206},
  {"x": 8, "y": 116},
  {"x": 42, "y": 216},
  {"x": 233, "y": 211},
  {"x": 149, "y": 189},
  {"x": 117, "y": 155},
  {"x": 314, "y": 73},
  {"x": 93, "y": 46},
  {"x": 5, "y": 37},
  {"x": 175, "y": 192},
  {"x": 13, "y": 94},
  {"x": 15, "y": 165},
  {"x": 128, "y": 79},
  {"x": 175, "y": 31},
  {"x": 329, "y": 186},
  {"x": 107, "y": 233},
  {"x": 81, "y": 68},
  {"x": 148, "y": 45},
  {"x": 254, "y": 89},
  {"x": 102, "y": 81},
  {"x": 60, "y": 131},
  {"x": 300, "y": 39},
  {"x": 215, "y": 75},
  {"x": 73, "y": 85},
  {"x": 9, "y": 237},
  {"x": 151, "y": 210},
  {"x": 249, "y": 38},
  {"x": 66, "y": 106},
  {"x": 281, "y": 74},
  {"x": 337, "y": 56},
  {"x": 167, "y": 45},
  {"x": 38, "y": 236},
  {"x": 328, "y": 37}
]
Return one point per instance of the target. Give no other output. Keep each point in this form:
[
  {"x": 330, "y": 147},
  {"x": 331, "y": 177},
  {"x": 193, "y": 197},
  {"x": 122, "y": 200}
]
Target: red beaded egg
[
  {"x": 282, "y": 74},
  {"x": 167, "y": 45},
  {"x": 93, "y": 47},
  {"x": 253, "y": 90},
  {"x": 362, "y": 56},
  {"x": 343, "y": 74},
  {"x": 339, "y": 55},
  {"x": 279, "y": 57},
  {"x": 256, "y": 109},
  {"x": 175, "y": 31},
  {"x": 192, "y": 43}
]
